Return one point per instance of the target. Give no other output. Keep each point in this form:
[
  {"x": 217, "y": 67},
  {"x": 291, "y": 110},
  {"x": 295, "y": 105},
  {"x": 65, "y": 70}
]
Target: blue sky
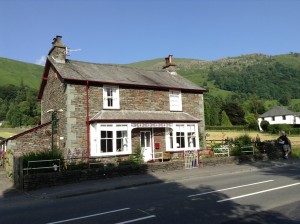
[{"x": 126, "y": 31}]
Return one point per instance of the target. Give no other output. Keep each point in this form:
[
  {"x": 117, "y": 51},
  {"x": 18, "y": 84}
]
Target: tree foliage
[
  {"x": 18, "y": 105},
  {"x": 235, "y": 113},
  {"x": 268, "y": 79}
]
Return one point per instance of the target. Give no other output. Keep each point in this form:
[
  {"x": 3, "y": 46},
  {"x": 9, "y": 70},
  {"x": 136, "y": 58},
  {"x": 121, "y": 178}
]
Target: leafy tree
[
  {"x": 14, "y": 116},
  {"x": 295, "y": 108},
  {"x": 264, "y": 125},
  {"x": 225, "y": 120},
  {"x": 212, "y": 107},
  {"x": 19, "y": 107},
  {"x": 235, "y": 113},
  {"x": 285, "y": 99},
  {"x": 255, "y": 105},
  {"x": 24, "y": 107}
]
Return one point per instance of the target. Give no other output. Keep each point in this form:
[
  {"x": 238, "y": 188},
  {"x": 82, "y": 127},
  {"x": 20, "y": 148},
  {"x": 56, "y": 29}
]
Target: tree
[
  {"x": 225, "y": 120},
  {"x": 256, "y": 106},
  {"x": 264, "y": 125},
  {"x": 285, "y": 99},
  {"x": 295, "y": 107},
  {"x": 235, "y": 113}
]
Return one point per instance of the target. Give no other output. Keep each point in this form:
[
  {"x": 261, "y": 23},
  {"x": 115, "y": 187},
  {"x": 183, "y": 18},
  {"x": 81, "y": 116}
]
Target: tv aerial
[{"x": 69, "y": 50}]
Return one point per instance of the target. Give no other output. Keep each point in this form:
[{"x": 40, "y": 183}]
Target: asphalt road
[{"x": 261, "y": 196}]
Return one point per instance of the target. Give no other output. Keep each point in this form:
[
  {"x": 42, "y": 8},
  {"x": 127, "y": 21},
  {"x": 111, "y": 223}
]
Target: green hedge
[{"x": 232, "y": 128}]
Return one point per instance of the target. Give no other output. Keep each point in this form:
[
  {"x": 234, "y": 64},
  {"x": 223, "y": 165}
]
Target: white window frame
[
  {"x": 175, "y": 100},
  {"x": 113, "y": 99},
  {"x": 95, "y": 133},
  {"x": 190, "y": 134}
]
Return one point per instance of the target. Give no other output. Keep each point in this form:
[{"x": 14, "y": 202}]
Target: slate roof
[
  {"x": 140, "y": 116},
  {"x": 277, "y": 111},
  {"x": 120, "y": 74}
]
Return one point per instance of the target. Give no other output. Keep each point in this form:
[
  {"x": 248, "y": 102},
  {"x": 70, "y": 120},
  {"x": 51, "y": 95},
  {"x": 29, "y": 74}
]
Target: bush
[
  {"x": 239, "y": 142},
  {"x": 265, "y": 125}
]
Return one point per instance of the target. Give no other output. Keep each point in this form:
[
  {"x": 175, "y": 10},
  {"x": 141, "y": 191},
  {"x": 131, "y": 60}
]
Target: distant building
[{"x": 279, "y": 115}]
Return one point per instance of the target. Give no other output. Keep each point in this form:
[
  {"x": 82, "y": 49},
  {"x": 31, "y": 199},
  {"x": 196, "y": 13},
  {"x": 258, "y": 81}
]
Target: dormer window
[
  {"x": 175, "y": 100},
  {"x": 111, "y": 98}
]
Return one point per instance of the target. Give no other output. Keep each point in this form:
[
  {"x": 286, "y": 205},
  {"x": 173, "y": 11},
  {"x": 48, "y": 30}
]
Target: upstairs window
[
  {"x": 111, "y": 98},
  {"x": 175, "y": 100}
]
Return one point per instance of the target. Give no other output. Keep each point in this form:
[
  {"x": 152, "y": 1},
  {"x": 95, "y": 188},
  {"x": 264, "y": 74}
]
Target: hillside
[
  {"x": 269, "y": 77},
  {"x": 14, "y": 72}
]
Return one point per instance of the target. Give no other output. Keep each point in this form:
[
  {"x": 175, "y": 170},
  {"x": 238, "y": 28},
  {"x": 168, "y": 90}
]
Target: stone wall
[
  {"x": 36, "y": 181},
  {"x": 37, "y": 139}
]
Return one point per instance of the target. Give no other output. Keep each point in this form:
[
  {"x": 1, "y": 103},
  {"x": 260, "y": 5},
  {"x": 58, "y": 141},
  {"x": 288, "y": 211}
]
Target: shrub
[
  {"x": 265, "y": 125},
  {"x": 138, "y": 157},
  {"x": 239, "y": 142}
]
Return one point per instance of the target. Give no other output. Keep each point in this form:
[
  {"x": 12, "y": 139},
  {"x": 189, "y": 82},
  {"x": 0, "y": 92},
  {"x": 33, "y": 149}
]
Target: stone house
[
  {"x": 279, "y": 115},
  {"x": 108, "y": 110}
]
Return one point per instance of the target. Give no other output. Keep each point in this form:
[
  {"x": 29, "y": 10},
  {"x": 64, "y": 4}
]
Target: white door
[{"x": 146, "y": 145}]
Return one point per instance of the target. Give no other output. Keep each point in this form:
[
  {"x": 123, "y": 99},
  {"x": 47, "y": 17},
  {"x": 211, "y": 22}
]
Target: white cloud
[{"x": 41, "y": 60}]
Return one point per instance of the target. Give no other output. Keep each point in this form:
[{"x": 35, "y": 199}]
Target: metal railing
[{"x": 54, "y": 166}]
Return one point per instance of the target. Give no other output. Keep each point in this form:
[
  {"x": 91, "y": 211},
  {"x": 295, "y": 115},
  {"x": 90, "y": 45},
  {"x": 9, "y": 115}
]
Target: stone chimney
[
  {"x": 170, "y": 66},
  {"x": 58, "y": 50}
]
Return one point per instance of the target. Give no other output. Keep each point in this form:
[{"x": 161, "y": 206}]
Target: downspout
[{"x": 87, "y": 120}]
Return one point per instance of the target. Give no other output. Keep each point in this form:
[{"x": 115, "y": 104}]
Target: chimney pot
[
  {"x": 58, "y": 50},
  {"x": 57, "y": 40},
  {"x": 169, "y": 65}
]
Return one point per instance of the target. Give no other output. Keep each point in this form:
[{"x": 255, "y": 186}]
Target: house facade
[
  {"x": 279, "y": 115},
  {"x": 107, "y": 110}
]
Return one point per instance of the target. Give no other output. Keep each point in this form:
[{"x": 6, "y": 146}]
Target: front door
[{"x": 146, "y": 145}]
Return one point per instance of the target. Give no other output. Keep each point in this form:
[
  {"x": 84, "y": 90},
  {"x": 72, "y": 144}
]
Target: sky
[{"x": 127, "y": 31}]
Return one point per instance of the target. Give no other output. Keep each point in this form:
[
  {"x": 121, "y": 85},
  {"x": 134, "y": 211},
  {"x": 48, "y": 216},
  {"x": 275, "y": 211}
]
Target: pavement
[{"x": 7, "y": 189}]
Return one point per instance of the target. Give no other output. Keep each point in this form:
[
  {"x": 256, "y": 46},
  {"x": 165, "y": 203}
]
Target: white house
[{"x": 279, "y": 115}]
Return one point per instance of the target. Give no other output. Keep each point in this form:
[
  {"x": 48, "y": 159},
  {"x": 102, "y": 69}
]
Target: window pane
[
  {"x": 103, "y": 134},
  {"x": 119, "y": 134},
  {"x": 110, "y": 102},
  {"x": 180, "y": 140},
  {"x": 109, "y": 92},
  {"x": 103, "y": 145},
  {"x": 191, "y": 139},
  {"x": 119, "y": 145},
  {"x": 171, "y": 139},
  {"x": 109, "y": 145},
  {"x": 109, "y": 134},
  {"x": 142, "y": 139}
]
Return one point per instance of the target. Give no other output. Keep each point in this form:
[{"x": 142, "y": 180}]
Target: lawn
[{"x": 8, "y": 132}]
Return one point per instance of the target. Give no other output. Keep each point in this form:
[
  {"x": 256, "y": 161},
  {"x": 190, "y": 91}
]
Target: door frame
[{"x": 148, "y": 148}]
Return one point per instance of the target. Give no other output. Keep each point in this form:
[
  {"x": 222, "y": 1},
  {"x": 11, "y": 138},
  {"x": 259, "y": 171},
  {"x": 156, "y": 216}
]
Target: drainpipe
[{"x": 87, "y": 119}]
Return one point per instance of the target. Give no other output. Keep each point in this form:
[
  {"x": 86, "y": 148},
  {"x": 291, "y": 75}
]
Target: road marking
[
  {"x": 259, "y": 192},
  {"x": 139, "y": 219},
  {"x": 230, "y": 188},
  {"x": 88, "y": 216}
]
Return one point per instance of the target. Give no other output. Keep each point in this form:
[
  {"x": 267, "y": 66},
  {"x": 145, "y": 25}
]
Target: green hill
[
  {"x": 14, "y": 72},
  {"x": 268, "y": 77}
]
